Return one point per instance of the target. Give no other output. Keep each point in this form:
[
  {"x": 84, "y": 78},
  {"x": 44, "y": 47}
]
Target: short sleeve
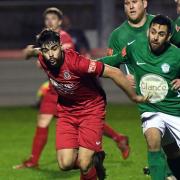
[{"x": 84, "y": 66}]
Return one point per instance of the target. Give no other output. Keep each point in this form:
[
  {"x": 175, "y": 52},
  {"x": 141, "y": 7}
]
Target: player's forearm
[
  {"x": 30, "y": 52},
  {"x": 120, "y": 80},
  {"x": 113, "y": 60}
]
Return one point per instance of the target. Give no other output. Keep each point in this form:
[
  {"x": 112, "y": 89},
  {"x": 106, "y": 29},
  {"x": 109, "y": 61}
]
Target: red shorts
[
  {"x": 80, "y": 131},
  {"x": 49, "y": 103}
]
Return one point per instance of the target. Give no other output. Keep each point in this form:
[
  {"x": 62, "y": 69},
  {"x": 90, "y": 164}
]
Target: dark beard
[{"x": 56, "y": 68}]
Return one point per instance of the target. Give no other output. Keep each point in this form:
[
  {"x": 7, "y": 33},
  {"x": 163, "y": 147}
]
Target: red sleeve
[{"x": 84, "y": 66}]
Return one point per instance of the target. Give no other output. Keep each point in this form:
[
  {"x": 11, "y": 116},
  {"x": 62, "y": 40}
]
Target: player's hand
[
  {"x": 30, "y": 51},
  {"x": 131, "y": 80},
  {"x": 142, "y": 99},
  {"x": 175, "y": 84}
]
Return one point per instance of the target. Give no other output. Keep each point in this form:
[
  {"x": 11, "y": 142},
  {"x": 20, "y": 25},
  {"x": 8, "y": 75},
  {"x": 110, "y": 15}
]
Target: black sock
[{"x": 174, "y": 165}]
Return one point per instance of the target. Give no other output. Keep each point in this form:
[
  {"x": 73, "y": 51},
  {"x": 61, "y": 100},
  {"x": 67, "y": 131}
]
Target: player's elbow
[{"x": 112, "y": 72}]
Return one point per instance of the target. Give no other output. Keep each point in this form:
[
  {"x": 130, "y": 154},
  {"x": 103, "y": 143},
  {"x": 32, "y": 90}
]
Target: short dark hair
[
  {"x": 53, "y": 10},
  {"x": 162, "y": 20},
  {"x": 47, "y": 36}
]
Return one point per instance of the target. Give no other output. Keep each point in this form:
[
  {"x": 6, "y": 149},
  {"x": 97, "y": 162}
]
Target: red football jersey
[
  {"x": 67, "y": 43},
  {"x": 77, "y": 82}
]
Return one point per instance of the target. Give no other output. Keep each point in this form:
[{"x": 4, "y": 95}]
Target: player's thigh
[
  {"x": 66, "y": 158},
  {"x": 66, "y": 132},
  {"x": 85, "y": 157},
  {"x": 44, "y": 120},
  {"x": 91, "y": 131},
  {"x": 153, "y": 129}
]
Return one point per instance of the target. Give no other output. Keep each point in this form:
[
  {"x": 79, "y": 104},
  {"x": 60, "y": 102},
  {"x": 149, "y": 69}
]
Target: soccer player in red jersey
[
  {"x": 53, "y": 20},
  {"x": 81, "y": 104}
]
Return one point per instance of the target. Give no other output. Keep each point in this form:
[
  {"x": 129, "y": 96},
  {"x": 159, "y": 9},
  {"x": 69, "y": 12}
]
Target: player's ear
[
  {"x": 145, "y": 4},
  {"x": 60, "y": 22}
]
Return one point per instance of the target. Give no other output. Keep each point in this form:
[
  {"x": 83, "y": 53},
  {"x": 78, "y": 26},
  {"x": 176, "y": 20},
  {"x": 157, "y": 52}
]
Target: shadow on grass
[
  {"x": 48, "y": 170},
  {"x": 53, "y": 174}
]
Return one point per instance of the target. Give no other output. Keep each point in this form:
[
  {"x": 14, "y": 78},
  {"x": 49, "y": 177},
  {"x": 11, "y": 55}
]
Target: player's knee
[
  {"x": 84, "y": 165},
  {"x": 65, "y": 164},
  {"x": 154, "y": 146},
  {"x": 44, "y": 120}
]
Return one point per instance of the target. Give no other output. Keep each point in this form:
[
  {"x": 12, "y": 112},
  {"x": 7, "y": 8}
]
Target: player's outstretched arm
[
  {"x": 30, "y": 51},
  {"x": 120, "y": 80}
]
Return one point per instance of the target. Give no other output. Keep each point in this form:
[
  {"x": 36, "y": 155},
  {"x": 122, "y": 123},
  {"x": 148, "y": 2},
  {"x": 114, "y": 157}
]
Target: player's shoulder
[
  {"x": 141, "y": 40},
  {"x": 119, "y": 29},
  {"x": 177, "y": 20},
  {"x": 71, "y": 54},
  {"x": 64, "y": 33},
  {"x": 173, "y": 48},
  {"x": 150, "y": 16}
]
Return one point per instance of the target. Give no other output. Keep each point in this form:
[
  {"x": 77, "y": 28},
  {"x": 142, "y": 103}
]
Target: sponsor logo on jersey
[
  {"x": 155, "y": 85},
  {"x": 165, "y": 68},
  {"x": 67, "y": 75},
  {"x": 64, "y": 88},
  {"x": 92, "y": 67}
]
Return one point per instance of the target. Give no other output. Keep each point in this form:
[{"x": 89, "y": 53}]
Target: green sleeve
[
  {"x": 113, "y": 43},
  {"x": 114, "y": 60}
]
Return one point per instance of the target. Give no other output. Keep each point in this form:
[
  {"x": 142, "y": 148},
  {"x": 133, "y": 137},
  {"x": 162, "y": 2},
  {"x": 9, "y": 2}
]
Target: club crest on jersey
[
  {"x": 67, "y": 75},
  {"x": 165, "y": 68}
]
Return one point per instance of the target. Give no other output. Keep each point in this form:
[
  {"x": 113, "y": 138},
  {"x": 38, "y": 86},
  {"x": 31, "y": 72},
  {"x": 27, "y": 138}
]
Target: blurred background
[{"x": 21, "y": 20}]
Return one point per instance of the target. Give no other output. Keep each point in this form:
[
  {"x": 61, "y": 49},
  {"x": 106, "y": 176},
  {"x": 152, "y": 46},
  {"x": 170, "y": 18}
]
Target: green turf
[{"x": 17, "y": 127}]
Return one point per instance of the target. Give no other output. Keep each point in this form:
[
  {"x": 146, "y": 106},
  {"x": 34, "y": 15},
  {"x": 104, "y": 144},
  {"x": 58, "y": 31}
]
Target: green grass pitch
[{"x": 17, "y": 127}]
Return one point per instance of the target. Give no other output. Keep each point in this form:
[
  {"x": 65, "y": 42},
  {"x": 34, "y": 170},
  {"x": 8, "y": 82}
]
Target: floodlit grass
[{"x": 17, "y": 125}]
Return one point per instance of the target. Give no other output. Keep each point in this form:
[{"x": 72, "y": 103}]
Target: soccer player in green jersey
[
  {"x": 156, "y": 63},
  {"x": 137, "y": 23}
]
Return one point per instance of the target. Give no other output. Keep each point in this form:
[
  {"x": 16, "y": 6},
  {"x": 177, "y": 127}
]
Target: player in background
[
  {"x": 81, "y": 103},
  {"x": 156, "y": 64},
  {"x": 53, "y": 19},
  {"x": 176, "y": 40},
  {"x": 137, "y": 23},
  {"x": 176, "y": 35}
]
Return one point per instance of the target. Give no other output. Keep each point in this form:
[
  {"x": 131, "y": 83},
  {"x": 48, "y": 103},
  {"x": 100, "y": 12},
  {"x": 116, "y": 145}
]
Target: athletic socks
[
  {"x": 108, "y": 131},
  {"x": 39, "y": 141},
  {"x": 91, "y": 175},
  {"x": 157, "y": 165},
  {"x": 168, "y": 171},
  {"x": 174, "y": 165}
]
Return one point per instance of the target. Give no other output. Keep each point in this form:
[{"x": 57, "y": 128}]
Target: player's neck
[
  {"x": 140, "y": 23},
  {"x": 57, "y": 30}
]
